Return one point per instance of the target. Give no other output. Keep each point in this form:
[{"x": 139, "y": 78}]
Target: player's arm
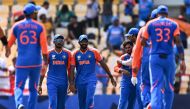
[
  {"x": 180, "y": 49},
  {"x": 3, "y": 37},
  {"x": 69, "y": 63},
  {"x": 99, "y": 59},
  {"x": 119, "y": 70},
  {"x": 42, "y": 75},
  {"x": 108, "y": 37},
  {"x": 127, "y": 62},
  {"x": 71, "y": 75},
  {"x": 145, "y": 35},
  {"x": 10, "y": 42},
  {"x": 137, "y": 53},
  {"x": 43, "y": 44}
]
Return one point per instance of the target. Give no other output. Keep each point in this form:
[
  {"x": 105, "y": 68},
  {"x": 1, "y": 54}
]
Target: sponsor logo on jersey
[{"x": 53, "y": 56}]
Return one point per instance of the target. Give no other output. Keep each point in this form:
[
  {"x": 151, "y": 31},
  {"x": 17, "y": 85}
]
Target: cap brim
[
  {"x": 83, "y": 39},
  {"x": 59, "y": 37},
  {"x": 127, "y": 35},
  {"x": 38, "y": 8}
]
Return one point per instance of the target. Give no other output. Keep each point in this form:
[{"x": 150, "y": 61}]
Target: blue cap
[
  {"x": 132, "y": 31},
  {"x": 30, "y": 8},
  {"x": 162, "y": 9},
  {"x": 58, "y": 36},
  {"x": 114, "y": 18},
  {"x": 82, "y": 37},
  {"x": 154, "y": 14}
]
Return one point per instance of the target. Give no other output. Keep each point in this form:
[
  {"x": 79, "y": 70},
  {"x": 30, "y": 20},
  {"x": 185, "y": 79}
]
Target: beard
[
  {"x": 58, "y": 46},
  {"x": 83, "y": 46}
]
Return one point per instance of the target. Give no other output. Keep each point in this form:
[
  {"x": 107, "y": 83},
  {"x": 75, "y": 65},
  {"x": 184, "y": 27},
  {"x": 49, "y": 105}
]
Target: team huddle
[{"x": 147, "y": 64}]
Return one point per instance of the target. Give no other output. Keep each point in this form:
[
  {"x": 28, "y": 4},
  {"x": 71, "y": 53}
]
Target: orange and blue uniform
[
  {"x": 32, "y": 43},
  {"x": 57, "y": 77},
  {"x": 86, "y": 79},
  {"x": 141, "y": 61},
  {"x": 161, "y": 32},
  {"x": 127, "y": 89}
]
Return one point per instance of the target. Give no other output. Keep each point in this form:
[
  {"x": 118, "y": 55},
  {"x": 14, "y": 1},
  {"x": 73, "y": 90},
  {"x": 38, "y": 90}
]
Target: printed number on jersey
[
  {"x": 161, "y": 33},
  {"x": 25, "y": 39}
]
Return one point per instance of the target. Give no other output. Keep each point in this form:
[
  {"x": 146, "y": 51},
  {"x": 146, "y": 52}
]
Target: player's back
[
  {"x": 28, "y": 34},
  {"x": 161, "y": 32}
]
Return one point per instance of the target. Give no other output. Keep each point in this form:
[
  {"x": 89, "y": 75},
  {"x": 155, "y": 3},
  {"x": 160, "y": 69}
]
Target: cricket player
[
  {"x": 84, "y": 59},
  {"x": 162, "y": 33},
  {"x": 132, "y": 36},
  {"x": 127, "y": 89},
  {"x": 57, "y": 77},
  {"x": 32, "y": 44},
  {"x": 140, "y": 63}
]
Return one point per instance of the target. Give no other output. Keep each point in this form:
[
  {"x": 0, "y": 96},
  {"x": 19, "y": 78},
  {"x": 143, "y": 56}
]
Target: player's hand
[
  {"x": 119, "y": 61},
  {"x": 134, "y": 80},
  {"x": 124, "y": 72},
  {"x": 72, "y": 88},
  {"x": 113, "y": 82},
  {"x": 40, "y": 90},
  {"x": 183, "y": 66},
  {"x": 7, "y": 51}
]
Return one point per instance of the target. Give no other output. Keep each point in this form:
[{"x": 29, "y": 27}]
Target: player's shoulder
[
  {"x": 75, "y": 52},
  {"x": 51, "y": 51},
  {"x": 152, "y": 21},
  {"x": 110, "y": 27},
  {"x": 93, "y": 49},
  {"x": 172, "y": 21},
  {"x": 120, "y": 26},
  {"x": 19, "y": 23},
  {"x": 67, "y": 51},
  {"x": 38, "y": 23}
]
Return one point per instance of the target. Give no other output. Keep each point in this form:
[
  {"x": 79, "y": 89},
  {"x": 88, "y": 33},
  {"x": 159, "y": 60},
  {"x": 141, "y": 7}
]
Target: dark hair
[
  {"x": 64, "y": 8},
  {"x": 45, "y": 3},
  {"x": 126, "y": 42}
]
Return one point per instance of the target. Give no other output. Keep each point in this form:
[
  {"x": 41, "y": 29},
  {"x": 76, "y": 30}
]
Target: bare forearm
[
  {"x": 41, "y": 80},
  {"x": 180, "y": 47},
  {"x": 71, "y": 75},
  {"x": 45, "y": 58},
  {"x": 105, "y": 67}
]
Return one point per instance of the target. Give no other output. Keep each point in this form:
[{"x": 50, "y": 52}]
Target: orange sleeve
[
  {"x": 73, "y": 60},
  {"x": 118, "y": 65},
  {"x": 12, "y": 38},
  {"x": 98, "y": 57},
  {"x": 69, "y": 62},
  {"x": 145, "y": 34},
  {"x": 137, "y": 52},
  {"x": 43, "y": 41},
  {"x": 177, "y": 31}
]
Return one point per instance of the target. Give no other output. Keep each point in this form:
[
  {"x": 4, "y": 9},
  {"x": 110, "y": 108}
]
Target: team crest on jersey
[
  {"x": 64, "y": 57},
  {"x": 53, "y": 56},
  {"x": 78, "y": 57},
  {"x": 89, "y": 56}
]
